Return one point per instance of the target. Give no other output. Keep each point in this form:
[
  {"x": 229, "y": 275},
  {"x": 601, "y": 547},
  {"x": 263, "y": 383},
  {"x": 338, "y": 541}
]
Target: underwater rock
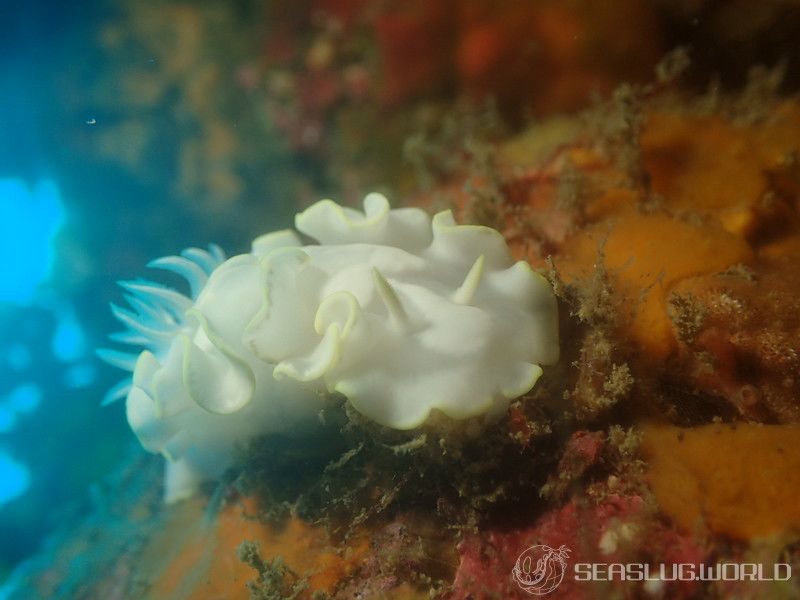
[
  {"x": 739, "y": 334},
  {"x": 738, "y": 480},
  {"x": 647, "y": 255},
  {"x": 617, "y": 530},
  {"x": 669, "y": 229}
]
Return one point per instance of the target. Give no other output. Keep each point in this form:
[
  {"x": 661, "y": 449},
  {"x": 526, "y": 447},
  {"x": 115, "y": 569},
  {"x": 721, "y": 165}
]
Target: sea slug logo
[{"x": 540, "y": 569}]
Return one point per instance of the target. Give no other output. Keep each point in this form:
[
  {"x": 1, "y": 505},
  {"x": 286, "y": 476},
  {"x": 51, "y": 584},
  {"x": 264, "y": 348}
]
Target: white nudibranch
[{"x": 400, "y": 313}]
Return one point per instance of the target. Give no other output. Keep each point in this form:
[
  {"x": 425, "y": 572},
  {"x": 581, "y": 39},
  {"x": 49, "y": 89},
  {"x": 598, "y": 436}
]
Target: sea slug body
[{"x": 400, "y": 313}]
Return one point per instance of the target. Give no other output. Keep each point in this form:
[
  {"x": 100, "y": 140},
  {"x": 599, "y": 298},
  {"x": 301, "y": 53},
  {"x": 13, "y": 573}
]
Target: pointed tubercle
[
  {"x": 466, "y": 292},
  {"x": 397, "y": 313}
]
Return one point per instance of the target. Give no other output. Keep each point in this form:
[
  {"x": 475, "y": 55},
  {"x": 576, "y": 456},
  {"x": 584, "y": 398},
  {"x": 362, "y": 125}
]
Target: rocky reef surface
[{"x": 667, "y": 221}]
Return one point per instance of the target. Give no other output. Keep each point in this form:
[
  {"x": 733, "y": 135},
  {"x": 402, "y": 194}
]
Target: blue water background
[{"x": 69, "y": 229}]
